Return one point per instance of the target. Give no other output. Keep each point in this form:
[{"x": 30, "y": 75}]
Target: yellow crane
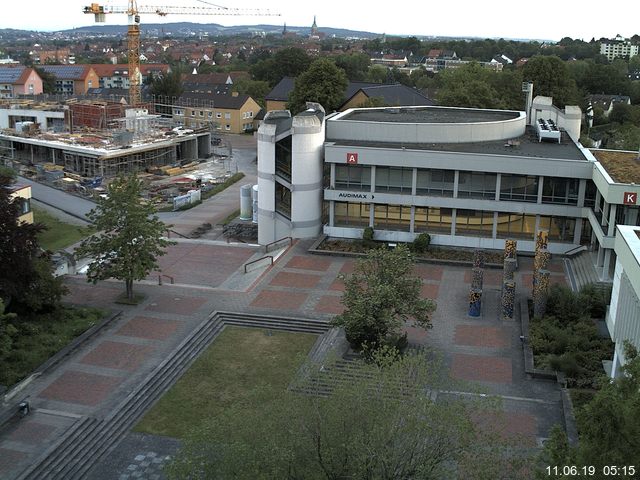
[{"x": 133, "y": 30}]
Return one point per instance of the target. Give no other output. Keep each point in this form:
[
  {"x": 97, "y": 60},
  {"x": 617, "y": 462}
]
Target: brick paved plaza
[{"x": 93, "y": 379}]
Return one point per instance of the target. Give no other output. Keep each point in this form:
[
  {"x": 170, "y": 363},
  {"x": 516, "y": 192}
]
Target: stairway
[
  {"x": 90, "y": 439},
  {"x": 581, "y": 271}
]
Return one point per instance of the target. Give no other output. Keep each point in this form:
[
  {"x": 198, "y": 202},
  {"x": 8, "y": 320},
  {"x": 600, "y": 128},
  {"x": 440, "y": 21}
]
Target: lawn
[
  {"x": 39, "y": 337},
  {"x": 58, "y": 234},
  {"x": 243, "y": 366}
]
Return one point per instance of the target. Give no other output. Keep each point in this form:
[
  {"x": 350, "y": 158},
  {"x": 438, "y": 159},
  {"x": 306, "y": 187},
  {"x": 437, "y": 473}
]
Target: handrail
[
  {"x": 163, "y": 275},
  {"x": 575, "y": 250},
  {"x": 177, "y": 233},
  {"x": 270, "y": 257},
  {"x": 266, "y": 247}
]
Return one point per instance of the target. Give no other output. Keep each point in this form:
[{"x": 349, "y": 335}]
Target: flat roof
[
  {"x": 524, "y": 146},
  {"x": 429, "y": 115},
  {"x": 622, "y": 166}
]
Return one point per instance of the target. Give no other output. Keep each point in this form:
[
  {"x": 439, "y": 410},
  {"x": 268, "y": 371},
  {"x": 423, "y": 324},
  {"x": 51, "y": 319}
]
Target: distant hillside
[{"x": 186, "y": 28}]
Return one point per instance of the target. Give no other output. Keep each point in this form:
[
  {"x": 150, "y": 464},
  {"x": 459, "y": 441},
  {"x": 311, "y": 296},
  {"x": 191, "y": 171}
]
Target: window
[
  {"x": 353, "y": 177},
  {"x": 516, "y": 225},
  {"x": 348, "y": 214},
  {"x": 283, "y": 158},
  {"x": 250, "y": 114},
  {"x": 193, "y": 113},
  {"x": 283, "y": 200},
  {"x": 560, "y": 190},
  {"x": 392, "y": 217},
  {"x": 428, "y": 219},
  {"x": 523, "y": 188},
  {"x": 474, "y": 222},
  {"x": 477, "y": 185},
  {"x": 559, "y": 228},
  {"x": 227, "y": 116},
  {"x": 244, "y": 114},
  {"x": 227, "y": 127},
  {"x": 590, "y": 194},
  {"x": 24, "y": 205},
  {"x": 394, "y": 179},
  {"x": 435, "y": 182},
  {"x": 201, "y": 113},
  {"x": 218, "y": 115},
  {"x": 209, "y": 114}
]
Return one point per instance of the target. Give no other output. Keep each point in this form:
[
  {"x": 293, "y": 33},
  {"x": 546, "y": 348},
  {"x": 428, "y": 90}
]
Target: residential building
[
  {"x": 468, "y": 177},
  {"x": 623, "y": 314},
  {"x": 22, "y": 195},
  {"x": 117, "y": 75},
  {"x": 232, "y": 113},
  {"x": 73, "y": 79},
  {"x": 19, "y": 80},
  {"x": 606, "y": 102},
  {"x": 618, "y": 47}
]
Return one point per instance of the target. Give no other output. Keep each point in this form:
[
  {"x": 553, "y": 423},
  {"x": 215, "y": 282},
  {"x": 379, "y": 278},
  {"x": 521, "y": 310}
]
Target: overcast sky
[{"x": 547, "y": 19}]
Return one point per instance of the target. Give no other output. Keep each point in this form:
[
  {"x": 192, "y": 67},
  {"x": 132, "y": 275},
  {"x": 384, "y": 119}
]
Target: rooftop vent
[{"x": 547, "y": 130}]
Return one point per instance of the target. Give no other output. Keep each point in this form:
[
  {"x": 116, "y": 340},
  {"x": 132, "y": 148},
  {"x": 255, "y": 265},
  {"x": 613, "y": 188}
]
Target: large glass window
[
  {"x": 435, "y": 182},
  {"x": 474, "y": 222},
  {"x": 523, "y": 188},
  {"x": 283, "y": 200},
  {"x": 590, "y": 194},
  {"x": 560, "y": 190},
  {"x": 283, "y": 158},
  {"x": 353, "y": 177},
  {"x": 348, "y": 214},
  {"x": 477, "y": 185},
  {"x": 394, "y": 179},
  {"x": 432, "y": 220},
  {"x": 559, "y": 228},
  {"x": 516, "y": 225},
  {"x": 392, "y": 217}
]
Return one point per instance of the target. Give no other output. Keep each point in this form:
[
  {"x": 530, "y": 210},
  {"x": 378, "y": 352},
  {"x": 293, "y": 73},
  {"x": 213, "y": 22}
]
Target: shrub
[
  {"x": 421, "y": 243},
  {"x": 565, "y": 305},
  {"x": 596, "y": 298},
  {"x": 367, "y": 237}
]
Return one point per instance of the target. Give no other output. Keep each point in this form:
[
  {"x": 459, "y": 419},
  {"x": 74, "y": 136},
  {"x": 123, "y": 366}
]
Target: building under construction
[{"x": 95, "y": 138}]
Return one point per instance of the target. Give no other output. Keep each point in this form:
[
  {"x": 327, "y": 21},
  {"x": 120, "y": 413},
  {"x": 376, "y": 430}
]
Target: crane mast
[{"x": 133, "y": 30}]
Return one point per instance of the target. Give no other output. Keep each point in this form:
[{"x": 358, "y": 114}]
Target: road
[{"x": 70, "y": 204}]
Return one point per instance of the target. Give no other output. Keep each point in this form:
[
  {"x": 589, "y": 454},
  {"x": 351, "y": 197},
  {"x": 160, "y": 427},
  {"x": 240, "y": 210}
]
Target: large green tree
[
  {"x": 551, "y": 78},
  {"x": 381, "y": 423},
  {"x": 608, "y": 427},
  {"x": 130, "y": 237},
  {"x": 382, "y": 294},
  {"x": 26, "y": 279},
  {"x": 323, "y": 82},
  {"x": 288, "y": 62}
]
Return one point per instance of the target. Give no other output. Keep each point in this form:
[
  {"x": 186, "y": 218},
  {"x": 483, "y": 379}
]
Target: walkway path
[{"x": 100, "y": 374}]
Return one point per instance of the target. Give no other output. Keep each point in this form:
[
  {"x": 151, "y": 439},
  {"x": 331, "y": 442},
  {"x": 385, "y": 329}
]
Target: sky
[{"x": 546, "y": 20}]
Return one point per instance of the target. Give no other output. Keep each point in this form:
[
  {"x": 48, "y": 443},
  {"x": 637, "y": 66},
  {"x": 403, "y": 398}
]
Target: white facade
[
  {"x": 618, "y": 48},
  {"x": 290, "y": 175},
  {"x": 623, "y": 316}
]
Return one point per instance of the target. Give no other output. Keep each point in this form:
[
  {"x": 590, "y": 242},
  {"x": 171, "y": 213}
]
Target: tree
[
  {"x": 323, "y": 82},
  {"x": 380, "y": 296},
  {"x": 609, "y": 431},
  {"x": 130, "y": 236},
  {"x": 355, "y": 65},
  {"x": 288, "y": 62},
  {"x": 26, "y": 277},
  {"x": 168, "y": 87},
  {"x": 378, "y": 424},
  {"x": 551, "y": 78},
  {"x": 48, "y": 80},
  {"x": 256, "y": 89}
]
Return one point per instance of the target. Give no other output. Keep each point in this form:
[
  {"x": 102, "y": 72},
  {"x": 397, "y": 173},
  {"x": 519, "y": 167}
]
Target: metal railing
[
  {"x": 170, "y": 231},
  {"x": 171, "y": 280},
  {"x": 270, "y": 257},
  {"x": 579, "y": 248},
  {"x": 268, "y": 245}
]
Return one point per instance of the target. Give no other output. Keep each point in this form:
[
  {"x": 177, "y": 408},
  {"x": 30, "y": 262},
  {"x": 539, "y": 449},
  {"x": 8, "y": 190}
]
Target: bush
[
  {"x": 565, "y": 305},
  {"x": 421, "y": 243},
  {"x": 596, "y": 298},
  {"x": 367, "y": 236}
]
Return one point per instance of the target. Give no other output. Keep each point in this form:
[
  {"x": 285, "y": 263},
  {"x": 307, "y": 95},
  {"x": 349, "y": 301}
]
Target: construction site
[{"x": 79, "y": 145}]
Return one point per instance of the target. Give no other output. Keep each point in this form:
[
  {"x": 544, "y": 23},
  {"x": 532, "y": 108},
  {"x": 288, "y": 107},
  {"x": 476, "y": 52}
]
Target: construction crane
[{"x": 133, "y": 30}]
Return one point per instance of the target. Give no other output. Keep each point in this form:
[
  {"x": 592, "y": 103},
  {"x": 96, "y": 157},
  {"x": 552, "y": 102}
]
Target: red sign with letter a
[
  {"x": 630, "y": 198},
  {"x": 352, "y": 158}
]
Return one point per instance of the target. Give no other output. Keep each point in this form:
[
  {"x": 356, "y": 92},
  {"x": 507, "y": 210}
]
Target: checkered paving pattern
[
  {"x": 145, "y": 466},
  {"x": 490, "y": 277},
  {"x": 279, "y": 300},
  {"x": 31, "y": 432},
  {"x": 80, "y": 387},
  {"x": 481, "y": 368},
  {"x": 429, "y": 272},
  {"x": 118, "y": 355},
  {"x": 309, "y": 263},
  {"x": 295, "y": 280},
  {"x": 148, "y": 327},
  {"x": 176, "y": 304},
  {"x": 430, "y": 290},
  {"x": 479, "y": 336},
  {"x": 330, "y": 304}
]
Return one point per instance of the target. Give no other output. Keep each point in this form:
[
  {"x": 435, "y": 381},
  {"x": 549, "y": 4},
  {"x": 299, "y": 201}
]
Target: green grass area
[
  {"x": 243, "y": 366},
  {"x": 232, "y": 216},
  {"x": 223, "y": 186},
  {"x": 58, "y": 234},
  {"x": 39, "y": 337}
]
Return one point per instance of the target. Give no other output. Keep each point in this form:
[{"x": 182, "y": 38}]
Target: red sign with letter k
[{"x": 630, "y": 198}]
